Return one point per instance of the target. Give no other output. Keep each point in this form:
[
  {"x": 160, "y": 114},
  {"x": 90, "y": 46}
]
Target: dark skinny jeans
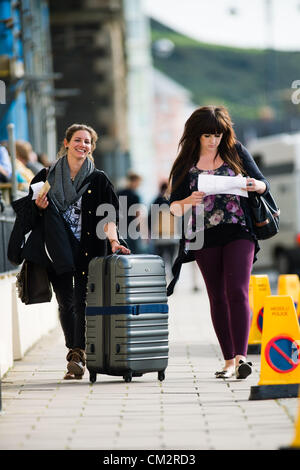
[
  {"x": 70, "y": 291},
  {"x": 226, "y": 271}
]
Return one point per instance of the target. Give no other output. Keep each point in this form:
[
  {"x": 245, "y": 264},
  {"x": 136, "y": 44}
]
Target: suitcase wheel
[
  {"x": 93, "y": 377},
  {"x": 127, "y": 377},
  {"x": 161, "y": 375}
]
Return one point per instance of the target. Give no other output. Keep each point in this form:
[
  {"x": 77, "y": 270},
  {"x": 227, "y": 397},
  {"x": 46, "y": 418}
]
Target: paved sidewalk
[{"x": 191, "y": 409}]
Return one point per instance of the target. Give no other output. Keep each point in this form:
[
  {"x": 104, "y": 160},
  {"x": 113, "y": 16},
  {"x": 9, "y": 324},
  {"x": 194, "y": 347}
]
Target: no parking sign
[
  {"x": 280, "y": 342},
  {"x": 260, "y": 318},
  {"x": 282, "y": 354}
]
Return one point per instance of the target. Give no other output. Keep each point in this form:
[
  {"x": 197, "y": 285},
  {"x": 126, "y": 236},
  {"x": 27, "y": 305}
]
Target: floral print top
[{"x": 217, "y": 208}]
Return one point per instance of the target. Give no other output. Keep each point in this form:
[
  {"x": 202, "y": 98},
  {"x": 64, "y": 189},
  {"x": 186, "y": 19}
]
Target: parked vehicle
[{"x": 278, "y": 157}]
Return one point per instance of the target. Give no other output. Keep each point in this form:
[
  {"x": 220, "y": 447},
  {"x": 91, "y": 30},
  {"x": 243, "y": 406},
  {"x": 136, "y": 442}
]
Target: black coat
[
  {"x": 183, "y": 191},
  {"x": 49, "y": 226}
]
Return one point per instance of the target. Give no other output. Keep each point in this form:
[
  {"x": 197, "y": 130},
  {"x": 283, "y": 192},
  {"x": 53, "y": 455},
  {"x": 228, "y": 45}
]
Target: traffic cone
[
  {"x": 296, "y": 442},
  {"x": 280, "y": 351},
  {"x": 259, "y": 289},
  {"x": 295, "y": 445},
  {"x": 298, "y": 309},
  {"x": 289, "y": 284}
]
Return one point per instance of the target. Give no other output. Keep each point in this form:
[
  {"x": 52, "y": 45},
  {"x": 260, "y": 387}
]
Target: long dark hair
[{"x": 205, "y": 120}]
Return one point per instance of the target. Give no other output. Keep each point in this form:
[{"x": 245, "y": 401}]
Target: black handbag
[
  {"x": 265, "y": 215},
  {"x": 33, "y": 284}
]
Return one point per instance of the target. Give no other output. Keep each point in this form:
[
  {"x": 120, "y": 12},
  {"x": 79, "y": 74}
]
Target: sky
[{"x": 254, "y": 24}]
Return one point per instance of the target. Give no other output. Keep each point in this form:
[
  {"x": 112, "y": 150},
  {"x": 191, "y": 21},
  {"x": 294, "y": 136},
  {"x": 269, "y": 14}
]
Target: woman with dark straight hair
[{"x": 209, "y": 146}]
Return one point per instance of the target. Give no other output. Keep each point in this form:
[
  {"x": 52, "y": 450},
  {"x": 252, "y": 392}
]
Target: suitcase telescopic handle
[{"x": 118, "y": 252}]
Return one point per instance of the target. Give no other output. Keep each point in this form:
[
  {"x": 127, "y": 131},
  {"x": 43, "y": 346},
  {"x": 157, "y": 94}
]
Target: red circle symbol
[
  {"x": 282, "y": 353},
  {"x": 260, "y": 318}
]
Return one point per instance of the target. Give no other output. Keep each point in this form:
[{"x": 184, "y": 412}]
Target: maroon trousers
[{"x": 226, "y": 272}]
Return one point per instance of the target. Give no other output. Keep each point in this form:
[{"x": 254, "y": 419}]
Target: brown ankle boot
[
  {"x": 76, "y": 364},
  {"x": 68, "y": 375}
]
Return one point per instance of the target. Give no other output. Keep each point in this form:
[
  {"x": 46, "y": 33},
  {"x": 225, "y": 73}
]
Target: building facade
[
  {"x": 172, "y": 107},
  {"x": 140, "y": 96},
  {"x": 88, "y": 50},
  {"x": 26, "y": 70}
]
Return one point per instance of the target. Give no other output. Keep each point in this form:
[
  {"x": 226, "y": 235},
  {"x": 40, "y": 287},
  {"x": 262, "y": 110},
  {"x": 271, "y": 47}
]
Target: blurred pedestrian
[
  {"x": 77, "y": 189},
  {"x": 5, "y": 165},
  {"x": 130, "y": 200},
  {"x": 33, "y": 164},
  {"x": 209, "y": 146},
  {"x": 22, "y": 159},
  {"x": 43, "y": 159},
  {"x": 162, "y": 228}
]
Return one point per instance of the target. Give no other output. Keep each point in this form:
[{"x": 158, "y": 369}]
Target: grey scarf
[{"x": 63, "y": 191}]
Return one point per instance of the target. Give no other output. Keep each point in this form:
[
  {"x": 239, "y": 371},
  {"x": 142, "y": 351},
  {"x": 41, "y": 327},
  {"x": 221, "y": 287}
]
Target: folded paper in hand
[
  {"x": 213, "y": 184},
  {"x": 40, "y": 188}
]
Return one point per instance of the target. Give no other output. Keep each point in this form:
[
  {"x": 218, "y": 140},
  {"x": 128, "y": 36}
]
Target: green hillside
[{"x": 245, "y": 80}]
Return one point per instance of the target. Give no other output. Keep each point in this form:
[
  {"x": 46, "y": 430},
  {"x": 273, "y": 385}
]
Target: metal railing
[
  {"x": 8, "y": 192},
  {"x": 7, "y": 219}
]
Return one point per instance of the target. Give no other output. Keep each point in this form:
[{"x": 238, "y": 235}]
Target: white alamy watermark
[
  {"x": 2, "y": 92},
  {"x": 156, "y": 223},
  {"x": 296, "y": 94}
]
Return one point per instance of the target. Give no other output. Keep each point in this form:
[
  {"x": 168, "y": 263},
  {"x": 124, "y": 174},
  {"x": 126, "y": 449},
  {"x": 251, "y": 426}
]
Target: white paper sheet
[
  {"x": 38, "y": 187},
  {"x": 213, "y": 184}
]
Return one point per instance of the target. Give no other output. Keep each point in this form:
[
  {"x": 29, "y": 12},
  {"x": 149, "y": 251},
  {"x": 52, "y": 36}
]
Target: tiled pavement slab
[{"x": 190, "y": 409}]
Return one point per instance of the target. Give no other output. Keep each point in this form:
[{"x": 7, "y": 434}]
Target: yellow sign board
[
  {"x": 259, "y": 289},
  {"x": 288, "y": 284},
  {"x": 280, "y": 347},
  {"x": 296, "y": 441}
]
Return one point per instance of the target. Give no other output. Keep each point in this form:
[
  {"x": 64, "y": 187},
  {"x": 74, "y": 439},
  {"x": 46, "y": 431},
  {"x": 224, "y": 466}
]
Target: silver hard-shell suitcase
[{"x": 127, "y": 316}]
